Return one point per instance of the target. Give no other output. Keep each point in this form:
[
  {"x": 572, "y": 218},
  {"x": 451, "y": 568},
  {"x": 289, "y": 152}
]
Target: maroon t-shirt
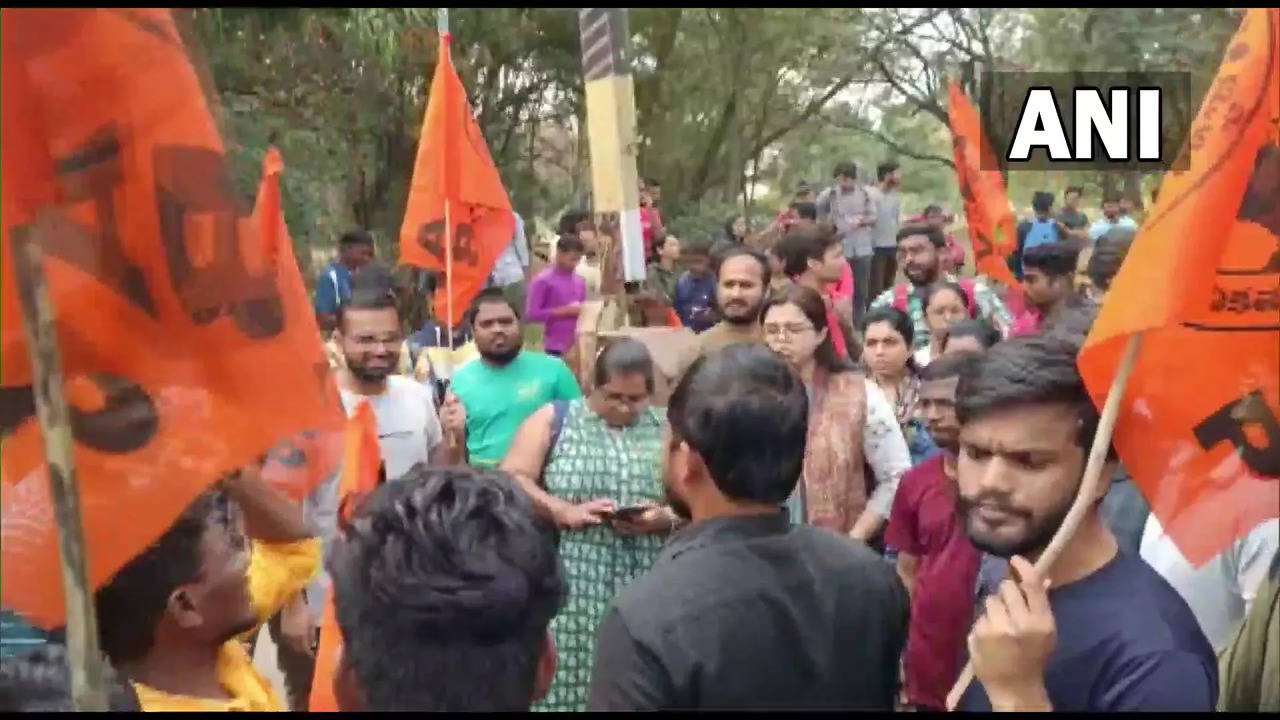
[{"x": 923, "y": 523}]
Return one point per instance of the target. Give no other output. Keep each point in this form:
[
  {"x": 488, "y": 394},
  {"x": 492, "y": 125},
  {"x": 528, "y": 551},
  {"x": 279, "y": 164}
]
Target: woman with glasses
[
  {"x": 945, "y": 304},
  {"x": 592, "y": 466},
  {"x": 849, "y": 422}
]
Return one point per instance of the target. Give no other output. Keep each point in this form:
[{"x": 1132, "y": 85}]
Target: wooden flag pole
[
  {"x": 1088, "y": 487},
  {"x": 88, "y": 670},
  {"x": 442, "y": 27}
]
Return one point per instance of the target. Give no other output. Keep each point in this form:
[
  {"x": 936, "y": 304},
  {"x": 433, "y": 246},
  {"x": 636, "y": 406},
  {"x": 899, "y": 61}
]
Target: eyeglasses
[{"x": 789, "y": 331}]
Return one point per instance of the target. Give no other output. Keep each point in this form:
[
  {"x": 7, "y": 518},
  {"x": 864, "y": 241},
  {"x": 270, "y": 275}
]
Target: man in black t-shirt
[
  {"x": 1073, "y": 224},
  {"x": 1128, "y": 642}
]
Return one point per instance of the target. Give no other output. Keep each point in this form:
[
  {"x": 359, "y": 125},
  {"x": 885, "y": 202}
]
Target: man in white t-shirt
[
  {"x": 409, "y": 429},
  {"x": 1220, "y": 591}
]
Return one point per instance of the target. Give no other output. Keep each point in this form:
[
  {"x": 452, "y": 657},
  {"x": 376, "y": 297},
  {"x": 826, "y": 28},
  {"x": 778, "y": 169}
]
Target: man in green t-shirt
[{"x": 506, "y": 383}]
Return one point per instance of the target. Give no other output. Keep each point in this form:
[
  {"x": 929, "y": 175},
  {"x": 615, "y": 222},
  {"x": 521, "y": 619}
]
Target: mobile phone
[{"x": 630, "y": 512}]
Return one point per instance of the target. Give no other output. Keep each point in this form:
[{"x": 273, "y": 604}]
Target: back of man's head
[
  {"x": 40, "y": 681},
  {"x": 1055, "y": 259},
  {"x": 745, "y": 414},
  {"x": 800, "y": 245},
  {"x": 445, "y": 582},
  {"x": 1108, "y": 255},
  {"x": 1041, "y": 201}
]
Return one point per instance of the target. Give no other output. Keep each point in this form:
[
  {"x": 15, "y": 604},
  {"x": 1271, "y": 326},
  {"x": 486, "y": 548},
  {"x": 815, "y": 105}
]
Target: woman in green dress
[{"x": 593, "y": 465}]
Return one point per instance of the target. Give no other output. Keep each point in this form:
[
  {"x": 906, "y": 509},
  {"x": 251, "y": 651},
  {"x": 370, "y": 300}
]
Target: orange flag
[
  {"x": 454, "y": 166},
  {"x": 302, "y": 461},
  {"x": 360, "y": 462},
  {"x": 1199, "y": 426},
  {"x": 186, "y": 353},
  {"x": 986, "y": 205}
]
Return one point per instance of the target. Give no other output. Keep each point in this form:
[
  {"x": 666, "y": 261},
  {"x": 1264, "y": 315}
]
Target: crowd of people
[{"x": 838, "y": 506}]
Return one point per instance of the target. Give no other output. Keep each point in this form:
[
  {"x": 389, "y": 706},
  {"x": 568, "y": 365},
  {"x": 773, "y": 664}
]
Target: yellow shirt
[{"x": 277, "y": 572}]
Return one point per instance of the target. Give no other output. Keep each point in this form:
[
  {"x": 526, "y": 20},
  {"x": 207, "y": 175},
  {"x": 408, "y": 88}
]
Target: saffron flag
[
  {"x": 298, "y": 463},
  {"x": 186, "y": 353},
  {"x": 454, "y": 166},
  {"x": 360, "y": 461},
  {"x": 1199, "y": 427},
  {"x": 986, "y": 205}
]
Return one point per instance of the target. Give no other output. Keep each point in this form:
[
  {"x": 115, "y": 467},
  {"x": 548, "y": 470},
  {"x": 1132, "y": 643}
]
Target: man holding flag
[{"x": 1199, "y": 285}]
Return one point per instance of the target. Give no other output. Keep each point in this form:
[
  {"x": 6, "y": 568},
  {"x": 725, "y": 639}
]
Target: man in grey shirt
[
  {"x": 851, "y": 209},
  {"x": 884, "y": 235}
]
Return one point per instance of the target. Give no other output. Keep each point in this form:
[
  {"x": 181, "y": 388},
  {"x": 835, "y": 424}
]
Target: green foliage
[{"x": 734, "y": 106}]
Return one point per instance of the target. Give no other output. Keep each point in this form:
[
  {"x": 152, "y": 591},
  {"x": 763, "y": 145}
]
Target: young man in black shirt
[
  {"x": 743, "y": 610},
  {"x": 1129, "y": 641}
]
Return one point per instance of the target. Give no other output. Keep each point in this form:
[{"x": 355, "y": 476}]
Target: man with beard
[
  {"x": 1130, "y": 642},
  {"x": 742, "y": 275},
  {"x": 173, "y": 618},
  {"x": 1112, "y": 217},
  {"x": 409, "y": 430},
  {"x": 744, "y": 610},
  {"x": 920, "y": 249},
  {"x": 936, "y": 561},
  {"x": 507, "y": 383}
]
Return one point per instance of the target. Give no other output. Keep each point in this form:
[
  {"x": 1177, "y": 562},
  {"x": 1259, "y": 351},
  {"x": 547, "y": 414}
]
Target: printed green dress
[{"x": 592, "y": 460}]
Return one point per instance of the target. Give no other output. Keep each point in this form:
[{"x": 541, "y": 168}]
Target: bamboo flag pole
[
  {"x": 88, "y": 672},
  {"x": 1088, "y": 487},
  {"x": 442, "y": 27}
]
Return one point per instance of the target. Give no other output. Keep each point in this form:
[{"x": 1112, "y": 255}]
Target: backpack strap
[
  {"x": 559, "y": 411},
  {"x": 900, "y": 296}
]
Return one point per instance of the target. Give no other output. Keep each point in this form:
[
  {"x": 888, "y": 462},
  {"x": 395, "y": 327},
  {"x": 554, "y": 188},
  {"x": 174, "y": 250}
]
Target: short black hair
[
  {"x": 1073, "y": 189},
  {"x": 935, "y": 236},
  {"x": 899, "y": 321},
  {"x": 569, "y": 243},
  {"x": 624, "y": 356},
  {"x": 931, "y": 209},
  {"x": 978, "y": 329},
  {"x": 1029, "y": 370},
  {"x": 1042, "y": 201},
  {"x": 1055, "y": 259},
  {"x": 1108, "y": 255},
  {"x": 39, "y": 680},
  {"x": 370, "y": 290},
  {"x": 696, "y": 246},
  {"x": 737, "y": 251},
  {"x": 746, "y": 414},
  {"x": 570, "y": 219},
  {"x": 884, "y": 168},
  {"x": 1112, "y": 196},
  {"x": 444, "y": 584},
  {"x": 132, "y": 602},
  {"x": 848, "y": 169},
  {"x": 806, "y": 210},
  {"x": 355, "y": 237},
  {"x": 954, "y": 287},
  {"x": 950, "y": 365},
  {"x": 800, "y": 245},
  {"x": 489, "y": 296}
]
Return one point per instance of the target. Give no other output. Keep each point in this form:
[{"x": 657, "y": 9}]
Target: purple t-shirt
[{"x": 553, "y": 288}]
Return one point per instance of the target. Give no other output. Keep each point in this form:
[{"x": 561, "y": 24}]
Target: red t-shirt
[{"x": 923, "y": 523}]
